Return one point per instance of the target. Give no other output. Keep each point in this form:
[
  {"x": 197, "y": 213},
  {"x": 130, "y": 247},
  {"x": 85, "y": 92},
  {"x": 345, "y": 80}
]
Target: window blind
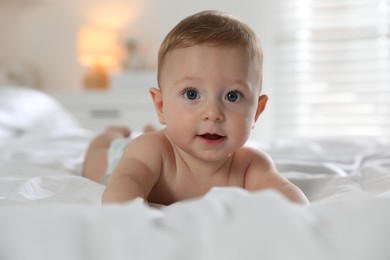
[{"x": 333, "y": 68}]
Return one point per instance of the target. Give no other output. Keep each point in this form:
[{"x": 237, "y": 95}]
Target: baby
[{"x": 209, "y": 98}]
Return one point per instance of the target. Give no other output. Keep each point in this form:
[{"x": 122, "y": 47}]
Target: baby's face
[{"x": 210, "y": 99}]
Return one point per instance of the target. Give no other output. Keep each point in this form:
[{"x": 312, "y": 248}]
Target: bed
[{"x": 48, "y": 211}]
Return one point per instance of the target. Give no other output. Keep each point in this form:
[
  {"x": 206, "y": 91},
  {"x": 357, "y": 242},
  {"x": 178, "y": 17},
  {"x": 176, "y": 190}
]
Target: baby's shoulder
[
  {"x": 254, "y": 159},
  {"x": 156, "y": 138},
  {"x": 150, "y": 148},
  {"x": 154, "y": 142},
  {"x": 250, "y": 154}
]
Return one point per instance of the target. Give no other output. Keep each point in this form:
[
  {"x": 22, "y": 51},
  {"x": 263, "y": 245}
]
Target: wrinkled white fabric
[{"x": 225, "y": 224}]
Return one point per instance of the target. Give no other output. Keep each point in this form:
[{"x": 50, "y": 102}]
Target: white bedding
[{"x": 47, "y": 211}]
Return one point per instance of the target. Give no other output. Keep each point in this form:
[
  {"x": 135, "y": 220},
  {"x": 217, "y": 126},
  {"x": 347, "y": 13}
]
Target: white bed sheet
[{"x": 48, "y": 211}]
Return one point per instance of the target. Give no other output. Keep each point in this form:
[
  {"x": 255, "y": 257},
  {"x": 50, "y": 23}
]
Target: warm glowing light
[
  {"x": 98, "y": 46},
  {"x": 99, "y": 51}
]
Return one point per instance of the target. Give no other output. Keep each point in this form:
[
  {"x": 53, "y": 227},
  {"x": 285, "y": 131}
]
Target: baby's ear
[
  {"x": 158, "y": 103},
  {"x": 261, "y": 104}
]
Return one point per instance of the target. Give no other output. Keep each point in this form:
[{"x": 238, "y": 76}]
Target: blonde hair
[{"x": 217, "y": 28}]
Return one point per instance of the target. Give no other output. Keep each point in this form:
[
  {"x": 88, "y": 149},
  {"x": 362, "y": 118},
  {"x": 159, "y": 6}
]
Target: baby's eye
[
  {"x": 233, "y": 96},
  {"x": 191, "y": 94}
]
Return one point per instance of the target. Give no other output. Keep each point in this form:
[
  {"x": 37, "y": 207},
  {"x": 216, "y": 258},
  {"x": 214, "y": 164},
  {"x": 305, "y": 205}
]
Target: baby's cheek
[
  {"x": 179, "y": 121},
  {"x": 242, "y": 129}
]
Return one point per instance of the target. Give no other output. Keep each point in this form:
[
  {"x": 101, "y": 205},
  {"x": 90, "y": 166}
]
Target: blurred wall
[{"x": 9, "y": 29}]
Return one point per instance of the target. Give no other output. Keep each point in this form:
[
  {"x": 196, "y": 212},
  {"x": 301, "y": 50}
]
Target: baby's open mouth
[{"x": 212, "y": 136}]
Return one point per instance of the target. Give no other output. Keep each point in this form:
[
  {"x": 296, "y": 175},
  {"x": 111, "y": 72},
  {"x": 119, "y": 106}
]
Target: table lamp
[{"x": 99, "y": 52}]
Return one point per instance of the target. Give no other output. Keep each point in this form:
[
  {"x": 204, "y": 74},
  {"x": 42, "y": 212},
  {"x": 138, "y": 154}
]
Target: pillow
[{"x": 26, "y": 110}]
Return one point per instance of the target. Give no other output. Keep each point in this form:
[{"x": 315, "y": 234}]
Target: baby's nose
[{"x": 213, "y": 112}]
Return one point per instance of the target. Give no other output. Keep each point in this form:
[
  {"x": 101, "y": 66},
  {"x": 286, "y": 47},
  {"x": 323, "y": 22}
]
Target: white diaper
[{"x": 115, "y": 152}]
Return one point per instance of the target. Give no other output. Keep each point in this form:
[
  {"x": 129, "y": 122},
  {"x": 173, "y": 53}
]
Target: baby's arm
[
  {"x": 137, "y": 171},
  {"x": 262, "y": 174}
]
